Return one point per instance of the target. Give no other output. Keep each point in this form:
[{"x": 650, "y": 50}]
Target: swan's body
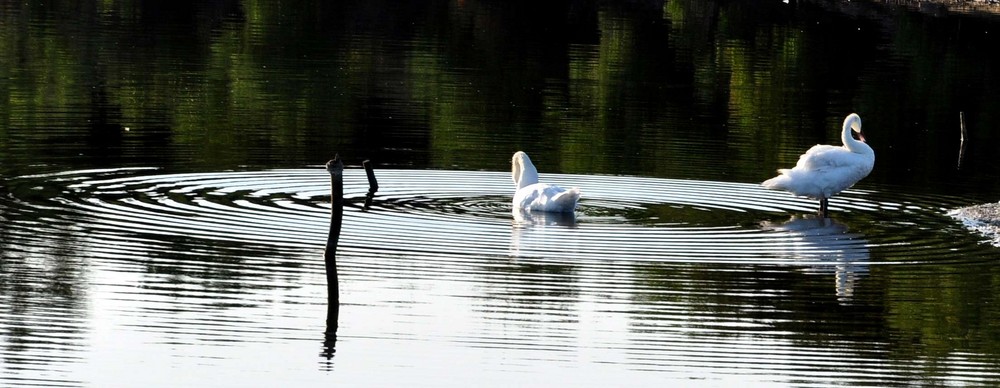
[
  {"x": 534, "y": 196},
  {"x": 825, "y": 170}
]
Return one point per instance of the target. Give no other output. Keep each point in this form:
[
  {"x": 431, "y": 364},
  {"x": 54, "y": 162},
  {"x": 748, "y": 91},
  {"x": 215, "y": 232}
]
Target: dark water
[{"x": 164, "y": 209}]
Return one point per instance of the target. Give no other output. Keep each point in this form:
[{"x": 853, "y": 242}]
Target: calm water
[{"x": 165, "y": 210}]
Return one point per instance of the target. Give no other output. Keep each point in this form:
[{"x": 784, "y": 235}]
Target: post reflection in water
[{"x": 824, "y": 245}]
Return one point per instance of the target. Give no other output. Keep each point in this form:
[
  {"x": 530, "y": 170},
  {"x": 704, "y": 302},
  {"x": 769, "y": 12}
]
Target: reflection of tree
[
  {"x": 243, "y": 83},
  {"x": 928, "y": 315},
  {"x": 782, "y": 71},
  {"x": 776, "y": 298},
  {"x": 945, "y": 314},
  {"x": 174, "y": 268},
  {"x": 48, "y": 251},
  {"x": 43, "y": 287},
  {"x": 939, "y": 71}
]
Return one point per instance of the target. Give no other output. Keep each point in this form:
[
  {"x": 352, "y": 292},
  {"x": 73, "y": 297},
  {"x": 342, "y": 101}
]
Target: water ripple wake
[{"x": 621, "y": 218}]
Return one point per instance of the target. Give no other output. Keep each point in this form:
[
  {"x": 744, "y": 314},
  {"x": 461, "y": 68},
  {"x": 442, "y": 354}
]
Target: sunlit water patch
[{"x": 135, "y": 275}]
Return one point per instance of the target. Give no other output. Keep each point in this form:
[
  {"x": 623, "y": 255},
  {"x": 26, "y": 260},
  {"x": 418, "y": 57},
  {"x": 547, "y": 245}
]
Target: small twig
[{"x": 964, "y": 134}]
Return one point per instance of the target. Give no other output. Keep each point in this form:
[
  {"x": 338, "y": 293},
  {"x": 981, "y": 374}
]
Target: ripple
[{"x": 621, "y": 217}]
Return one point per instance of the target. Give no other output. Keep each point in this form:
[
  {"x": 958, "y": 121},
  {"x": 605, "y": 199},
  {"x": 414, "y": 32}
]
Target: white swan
[
  {"x": 534, "y": 196},
  {"x": 825, "y": 170}
]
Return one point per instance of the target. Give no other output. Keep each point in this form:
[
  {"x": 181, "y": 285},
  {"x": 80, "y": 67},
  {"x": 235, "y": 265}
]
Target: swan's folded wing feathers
[
  {"x": 824, "y": 157},
  {"x": 572, "y": 194},
  {"x": 546, "y": 197}
]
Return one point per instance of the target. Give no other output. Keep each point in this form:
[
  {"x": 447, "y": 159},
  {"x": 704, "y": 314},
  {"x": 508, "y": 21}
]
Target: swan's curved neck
[
  {"x": 524, "y": 173},
  {"x": 847, "y": 137}
]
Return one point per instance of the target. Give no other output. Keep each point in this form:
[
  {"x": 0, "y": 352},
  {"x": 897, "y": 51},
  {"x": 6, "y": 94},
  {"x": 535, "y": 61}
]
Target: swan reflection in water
[
  {"x": 523, "y": 218},
  {"x": 539, "y": 229},
  {"x": 826, "y": 246}
]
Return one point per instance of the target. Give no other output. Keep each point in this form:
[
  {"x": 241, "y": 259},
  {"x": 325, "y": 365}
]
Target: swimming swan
[
  {"x": 825, "y": 170},
  {"x": 534, "y": 196}
]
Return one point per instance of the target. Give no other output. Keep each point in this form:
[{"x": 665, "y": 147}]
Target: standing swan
[
  {"x": 825, "y": 170},
  {"x": 534, "y": 196}
]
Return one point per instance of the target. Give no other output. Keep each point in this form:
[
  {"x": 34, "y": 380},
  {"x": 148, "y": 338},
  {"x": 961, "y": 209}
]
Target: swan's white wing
[
  {"x": 823, "y": 171},
  {"x": 546, "y": 197},
  {"x": 823, "y": 157}
]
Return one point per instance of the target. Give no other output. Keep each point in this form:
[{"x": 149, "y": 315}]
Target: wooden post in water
[
  {"x": 336, "y": 169},
  {"x": 372, "y": 184}
]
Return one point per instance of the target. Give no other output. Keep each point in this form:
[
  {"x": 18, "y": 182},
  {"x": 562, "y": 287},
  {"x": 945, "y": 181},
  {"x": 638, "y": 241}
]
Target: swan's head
[
  {"x": 520, "y": 157},
  {"x": 522, "y": 170},
  {"x": 853, "y": 121}
]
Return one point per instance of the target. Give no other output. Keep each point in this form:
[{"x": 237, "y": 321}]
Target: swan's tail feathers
[
  {"x": 567, "y": 199},
  {"x": 779, "y": 182}
]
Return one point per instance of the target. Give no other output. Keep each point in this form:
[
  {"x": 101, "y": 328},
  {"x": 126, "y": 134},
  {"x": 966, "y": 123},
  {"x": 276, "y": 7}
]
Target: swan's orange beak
[{"x": 861, "y": 137}]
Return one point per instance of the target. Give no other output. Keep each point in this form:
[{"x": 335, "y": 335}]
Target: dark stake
[{"x": 336, "y": 169}]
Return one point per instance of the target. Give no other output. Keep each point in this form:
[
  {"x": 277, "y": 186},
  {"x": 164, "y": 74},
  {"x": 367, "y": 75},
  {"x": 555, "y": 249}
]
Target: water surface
[{"x": 219, "y": 275}]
